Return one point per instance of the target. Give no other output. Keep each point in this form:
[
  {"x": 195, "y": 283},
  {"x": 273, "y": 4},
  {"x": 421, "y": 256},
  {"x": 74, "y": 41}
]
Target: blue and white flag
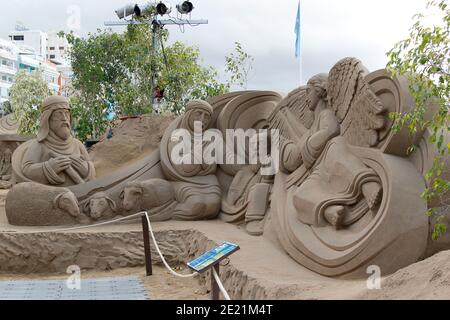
[{"x": 297, "y": 33}]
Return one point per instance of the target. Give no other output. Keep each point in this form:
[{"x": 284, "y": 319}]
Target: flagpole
[
  {"x": 301, "y": 43},
  {"x": 298, "y": 43},
  {"x": 301, "y": 63}
]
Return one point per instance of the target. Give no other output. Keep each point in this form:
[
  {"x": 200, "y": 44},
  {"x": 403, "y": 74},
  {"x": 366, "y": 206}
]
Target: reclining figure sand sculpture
[{"x": 347, "y": 194}]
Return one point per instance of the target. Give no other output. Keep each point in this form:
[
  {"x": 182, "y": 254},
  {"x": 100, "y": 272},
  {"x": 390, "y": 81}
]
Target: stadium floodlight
[
  {"x": 163, "y": 8},
  {"x": 126, "y": 11},
  {"x": 185, "y": 7},
  {"x": 139, "y": 10}
]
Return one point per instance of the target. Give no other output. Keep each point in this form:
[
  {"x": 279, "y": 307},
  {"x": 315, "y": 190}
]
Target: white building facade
[
  {"x": 8, "y": 67},
  {"x": 35, "y": 39},
  {"x": 32, "y": 50},
  {"x": 57, "y": 47}
]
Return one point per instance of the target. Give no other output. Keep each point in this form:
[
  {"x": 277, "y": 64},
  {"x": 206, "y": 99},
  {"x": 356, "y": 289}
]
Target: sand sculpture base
[{"x": 260, "y": 270}]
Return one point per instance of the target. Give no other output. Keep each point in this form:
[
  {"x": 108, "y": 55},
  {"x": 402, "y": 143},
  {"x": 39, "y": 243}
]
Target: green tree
[
  {"x": 100, "y": 77},
  {"x": 239, "y": 64},
  {"x": 184, "y": 78},
  {"x": 424, "y": 57},
  {"x": 26, "y": 96},
  {"x": 7, "y": 107},
  {"x": 120, "y": 72}
]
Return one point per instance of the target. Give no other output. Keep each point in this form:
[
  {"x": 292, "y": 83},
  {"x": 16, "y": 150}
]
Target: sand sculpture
[
  {"x": 196, "y": 186},
  {"x": 100, "y": 206},
  {"x": 346, "y": 196},
  {"x": 55, "y": 157},
  {"x": 49, "y": 206},
  {"x": 9, "y": 141},
  {"x": 156, "y": 196}
]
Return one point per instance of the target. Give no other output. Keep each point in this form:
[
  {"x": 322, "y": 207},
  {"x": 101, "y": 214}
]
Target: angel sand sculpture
[{"x": 346, "y": 195}]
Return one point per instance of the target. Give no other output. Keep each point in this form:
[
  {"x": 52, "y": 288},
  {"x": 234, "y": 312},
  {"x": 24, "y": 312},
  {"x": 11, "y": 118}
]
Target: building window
[
  {"x": 61, "y": 48},
  {"x": 52, "y": 56},
  {"x": 18, "y": 38},
  {"x": 52, "y": 48}
]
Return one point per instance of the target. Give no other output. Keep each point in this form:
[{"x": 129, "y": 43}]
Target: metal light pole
[{"x": 156, "y": 25}]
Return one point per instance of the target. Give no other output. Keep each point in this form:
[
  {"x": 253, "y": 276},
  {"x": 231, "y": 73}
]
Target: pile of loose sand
[
  {"x": 427, "y": 279},
  {"x": 133, "y": 139}
]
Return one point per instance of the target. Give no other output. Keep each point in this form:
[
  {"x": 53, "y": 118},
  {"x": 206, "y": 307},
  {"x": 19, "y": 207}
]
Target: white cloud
[{"x": 331, "y": 30}]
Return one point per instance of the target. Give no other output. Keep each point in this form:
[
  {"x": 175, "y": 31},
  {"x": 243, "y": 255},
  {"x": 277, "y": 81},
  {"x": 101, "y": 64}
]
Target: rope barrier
[
  {"x": 76, "y": 228},
  {"x": 161, "y": 255}
]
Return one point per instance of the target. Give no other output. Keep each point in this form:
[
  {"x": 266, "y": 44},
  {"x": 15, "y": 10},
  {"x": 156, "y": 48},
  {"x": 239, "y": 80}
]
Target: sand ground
[
  {"x": 263, "y": 262},
  {"x": 160, "y": 286}
]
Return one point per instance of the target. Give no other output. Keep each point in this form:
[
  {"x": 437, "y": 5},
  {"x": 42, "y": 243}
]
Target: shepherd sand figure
[{"x": 55, "y": 157}]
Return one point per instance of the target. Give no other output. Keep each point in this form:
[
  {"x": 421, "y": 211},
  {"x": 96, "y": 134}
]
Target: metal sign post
[
  {"x": 211, "y": 261},
  {"x": 147, "y": 248},
  {"x": 215, "y": 291}
]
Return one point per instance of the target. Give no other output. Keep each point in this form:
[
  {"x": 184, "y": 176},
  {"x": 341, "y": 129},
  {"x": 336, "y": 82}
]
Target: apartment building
[
  {"x": 57, "y": 48},
  {"x": 8, "y": 67},
  {"x": 35, "y": 39}
]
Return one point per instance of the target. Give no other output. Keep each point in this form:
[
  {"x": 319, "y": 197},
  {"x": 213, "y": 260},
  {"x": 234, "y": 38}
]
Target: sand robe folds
[
  {"x": 324, "y": 172},
  {"x": 235, "y": 203},
  {"x": 336, "y": 179},
  {"x": 34, "y": 159},
  {"x": 197, "y": 189}
]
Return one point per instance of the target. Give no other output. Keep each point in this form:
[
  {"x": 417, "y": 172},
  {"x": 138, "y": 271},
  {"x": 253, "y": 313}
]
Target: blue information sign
[{"x": 213, "y": 256}]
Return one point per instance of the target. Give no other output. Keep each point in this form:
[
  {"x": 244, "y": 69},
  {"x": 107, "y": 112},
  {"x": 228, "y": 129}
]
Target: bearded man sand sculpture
[{"x": 55, "y": 157}]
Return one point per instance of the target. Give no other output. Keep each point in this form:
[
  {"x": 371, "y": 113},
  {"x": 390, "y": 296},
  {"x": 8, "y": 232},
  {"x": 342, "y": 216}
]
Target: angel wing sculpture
[
  {"x": 335, "y": 200},
  {"x": 359, "y": 111}
]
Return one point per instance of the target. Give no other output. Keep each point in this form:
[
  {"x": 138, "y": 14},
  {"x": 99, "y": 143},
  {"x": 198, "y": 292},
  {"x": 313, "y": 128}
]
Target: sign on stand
[{"x": 212, "y": 259}]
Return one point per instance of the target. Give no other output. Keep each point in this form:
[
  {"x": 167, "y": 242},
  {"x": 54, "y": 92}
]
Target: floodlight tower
[{"x": 163, "y": 9}]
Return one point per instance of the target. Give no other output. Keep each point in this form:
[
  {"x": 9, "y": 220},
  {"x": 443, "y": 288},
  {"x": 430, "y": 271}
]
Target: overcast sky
[{"x": 331, "y": 30}]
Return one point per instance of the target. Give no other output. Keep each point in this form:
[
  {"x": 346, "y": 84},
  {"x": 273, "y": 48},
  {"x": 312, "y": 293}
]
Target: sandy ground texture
[
  {"x": 427, "y": 279},
  {"x": 260, "y": 270},
  {"x": 159, "y": 286},
  {"x": 132, "y": 139}
]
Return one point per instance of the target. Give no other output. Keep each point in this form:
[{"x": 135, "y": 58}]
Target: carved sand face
[
  {"x": 98, "y": 207},
  {"x": 199, "y": 115},
  {"x": 131, "y": 197},
  {"x": 68, "y": 203},
  {"x": 60, "y": 123},
  {"x": 8, "y": 155},
  {"x": 312, "y": 97}
]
